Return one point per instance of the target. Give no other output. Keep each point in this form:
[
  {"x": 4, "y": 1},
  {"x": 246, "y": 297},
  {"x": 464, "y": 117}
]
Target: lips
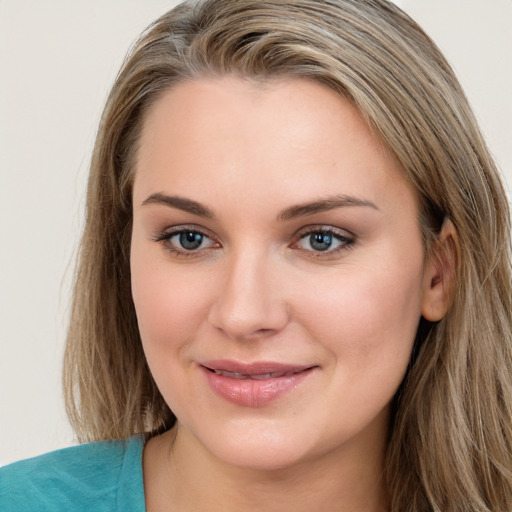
[
  {"x": 263, "y": 376},
  {"x": 255, "y": 384}
]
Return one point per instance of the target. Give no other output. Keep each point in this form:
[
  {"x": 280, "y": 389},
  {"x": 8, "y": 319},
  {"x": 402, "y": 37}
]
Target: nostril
[{"x": 263, "y": 331}]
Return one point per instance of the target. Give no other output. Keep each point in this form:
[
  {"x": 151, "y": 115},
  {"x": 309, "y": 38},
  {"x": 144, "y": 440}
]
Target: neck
[{"x": 181, "y": 475}]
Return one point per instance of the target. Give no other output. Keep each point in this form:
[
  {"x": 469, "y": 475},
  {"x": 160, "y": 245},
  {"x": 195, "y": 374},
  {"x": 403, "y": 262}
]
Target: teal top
[{"x": 97, "y": 477}]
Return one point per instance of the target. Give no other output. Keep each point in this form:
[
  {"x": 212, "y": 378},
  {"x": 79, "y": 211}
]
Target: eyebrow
[
  {"x": 323, "y": 205},
  {"x": 300, "y": 210},
  {"x": 181, "y": 203}
]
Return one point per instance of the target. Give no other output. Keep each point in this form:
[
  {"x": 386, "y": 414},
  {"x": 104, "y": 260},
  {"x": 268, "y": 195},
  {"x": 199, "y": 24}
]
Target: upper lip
[{"x": 255, "y": 368}]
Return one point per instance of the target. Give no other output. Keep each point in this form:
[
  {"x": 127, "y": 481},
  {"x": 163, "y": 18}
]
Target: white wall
[
  {"x": 476, "y": 37},
  {"x": 57, "y": 61}
]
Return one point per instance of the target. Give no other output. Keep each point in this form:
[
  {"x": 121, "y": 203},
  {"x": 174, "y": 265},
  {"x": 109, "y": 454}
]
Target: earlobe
[{"x": 440, "y": 274}]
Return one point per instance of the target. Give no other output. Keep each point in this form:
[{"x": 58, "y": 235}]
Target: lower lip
[{"x": 252, "y": 392}]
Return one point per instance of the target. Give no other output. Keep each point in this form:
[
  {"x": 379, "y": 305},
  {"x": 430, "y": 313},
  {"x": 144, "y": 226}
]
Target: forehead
[{"x": 293, "y": 135}]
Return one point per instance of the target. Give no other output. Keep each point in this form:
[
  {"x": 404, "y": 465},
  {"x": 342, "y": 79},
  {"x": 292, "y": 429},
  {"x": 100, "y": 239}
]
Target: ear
[{"x": 440, "y": 274}]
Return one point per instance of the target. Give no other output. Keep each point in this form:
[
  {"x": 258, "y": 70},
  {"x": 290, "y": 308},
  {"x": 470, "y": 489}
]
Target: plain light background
[{"x": 57, "y": 62}]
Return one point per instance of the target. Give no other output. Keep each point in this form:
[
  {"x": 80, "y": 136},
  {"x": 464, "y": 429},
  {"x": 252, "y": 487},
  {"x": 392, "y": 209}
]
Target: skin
[{"x": 258, "y": 290}]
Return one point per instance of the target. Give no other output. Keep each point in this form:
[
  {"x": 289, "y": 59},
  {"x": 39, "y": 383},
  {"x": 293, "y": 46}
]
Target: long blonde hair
[{"x": 451, "y": 433}]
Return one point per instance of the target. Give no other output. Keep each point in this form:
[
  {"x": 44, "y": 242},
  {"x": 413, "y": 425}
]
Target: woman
[{"x": 294, "y": 280}]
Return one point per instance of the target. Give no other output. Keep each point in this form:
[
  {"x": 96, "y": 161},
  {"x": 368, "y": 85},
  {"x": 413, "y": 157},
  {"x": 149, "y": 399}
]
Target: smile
[
  {"x": 253, "y": 385},
  {"x": 263, "y": 376}
]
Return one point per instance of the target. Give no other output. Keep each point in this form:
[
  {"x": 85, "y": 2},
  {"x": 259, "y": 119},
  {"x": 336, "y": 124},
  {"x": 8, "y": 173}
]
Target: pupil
[
  {"x": 190, "y": 240},
  {"x": 320, "y": 241}
]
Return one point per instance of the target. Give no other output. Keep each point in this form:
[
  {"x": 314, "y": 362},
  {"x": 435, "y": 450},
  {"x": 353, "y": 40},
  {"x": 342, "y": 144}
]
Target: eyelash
[
  {"x": 345, "y": 239},
  {"x": 165, "y": 239}
]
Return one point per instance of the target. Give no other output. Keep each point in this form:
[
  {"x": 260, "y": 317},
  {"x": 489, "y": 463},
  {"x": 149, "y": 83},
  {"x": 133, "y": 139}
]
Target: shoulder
[{"x": 102, "y": 476}]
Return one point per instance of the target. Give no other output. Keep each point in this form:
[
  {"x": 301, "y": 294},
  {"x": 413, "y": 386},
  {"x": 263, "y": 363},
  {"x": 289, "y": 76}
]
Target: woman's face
[{"x": 278, "y": 271}]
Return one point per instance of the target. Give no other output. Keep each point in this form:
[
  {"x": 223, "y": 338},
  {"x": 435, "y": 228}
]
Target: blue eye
[
  {"x": 185, "y": 241},
  {"x": 320, "y": 241},
  {"x": 324, "y": 241},
  {"x": 189, "y": 240}
]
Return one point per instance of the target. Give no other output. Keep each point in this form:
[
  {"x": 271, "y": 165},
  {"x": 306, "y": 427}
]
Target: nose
[{"x": 250, "y": 303}]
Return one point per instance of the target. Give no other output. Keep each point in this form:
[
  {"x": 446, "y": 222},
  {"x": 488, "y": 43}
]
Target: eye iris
[
  {"x": 190, "y": 240},
  {"x": 320, "y": 241}
]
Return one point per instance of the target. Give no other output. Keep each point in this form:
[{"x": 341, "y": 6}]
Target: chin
[
  {"x": 262, "y": 445},
  {"x": 259, "y": 455}
]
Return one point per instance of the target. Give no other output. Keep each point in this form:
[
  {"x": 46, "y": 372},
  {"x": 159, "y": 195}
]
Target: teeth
[
  {"x": 263, "y": 376},
  {"x": 266, "y": 376},
  {"x": 232, "y": 375}
]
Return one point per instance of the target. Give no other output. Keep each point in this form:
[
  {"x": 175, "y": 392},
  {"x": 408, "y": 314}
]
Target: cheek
[
  {"x": 170, "y": 308},
  {"x": 168, "y": 303},
  {"x": 367, "y": 317},
  {"x": 368, "y": 326}
]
